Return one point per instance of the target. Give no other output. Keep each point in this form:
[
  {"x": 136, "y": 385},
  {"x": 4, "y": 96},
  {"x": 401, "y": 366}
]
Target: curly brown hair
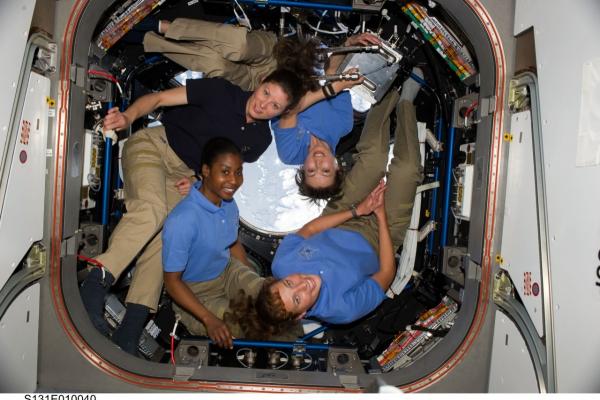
[
  {"x": 301, "y": 56},
  {"x": 262, "y": 318},
  {"x": 324, "y": 193}
]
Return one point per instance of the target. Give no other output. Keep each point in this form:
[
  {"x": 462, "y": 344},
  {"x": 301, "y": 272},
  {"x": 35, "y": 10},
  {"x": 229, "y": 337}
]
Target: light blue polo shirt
[
  {"x": 345, "y": 261},
  {"x": 197, "y": 235},
  {"x": 328, "y": 120}
]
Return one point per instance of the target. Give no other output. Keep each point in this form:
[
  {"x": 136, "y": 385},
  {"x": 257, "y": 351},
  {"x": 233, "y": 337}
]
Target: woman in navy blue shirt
[
  {"x": 157, "y": 163},
  {"x": 308, "y": 135}
]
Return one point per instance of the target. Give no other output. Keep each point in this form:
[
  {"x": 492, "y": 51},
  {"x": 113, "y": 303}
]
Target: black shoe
[
  {"x": 93, "y": 293},
  {"x": 127, "y": 335}
]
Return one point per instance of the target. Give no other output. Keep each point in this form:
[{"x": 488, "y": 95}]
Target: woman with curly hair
[
  {"x": 204, "y": 263},
  {"x": 232, "y": 52},
  {"x": 306, "y": 135}
]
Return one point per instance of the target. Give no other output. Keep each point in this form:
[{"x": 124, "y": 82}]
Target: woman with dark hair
[
  {"x": 232, "y": 52},
  {"x": 309, "y": 133},
  {"x": 157, "y": 165},
  {"x": 337, "y": 267},
  {"x": 204, "y": 262}
]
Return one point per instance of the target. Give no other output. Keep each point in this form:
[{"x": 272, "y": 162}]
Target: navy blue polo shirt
[
  {"x": 197, "y": 235},
  {"x": 329, "y": 120},
  {"x": 215, "y": 107},
  {"x": 345, "y": 262}
]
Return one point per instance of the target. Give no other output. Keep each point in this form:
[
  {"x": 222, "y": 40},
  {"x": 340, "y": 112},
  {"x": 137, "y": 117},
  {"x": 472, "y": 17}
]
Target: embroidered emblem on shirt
[{"x": 307, "y": 252}]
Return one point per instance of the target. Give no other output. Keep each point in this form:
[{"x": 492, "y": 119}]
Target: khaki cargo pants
[
  {"x": 150, "y": 170},
  {"x": 219, "y": 50},
  {"x": 216, "y": 294},
  {"x": 405, "y": 171}
]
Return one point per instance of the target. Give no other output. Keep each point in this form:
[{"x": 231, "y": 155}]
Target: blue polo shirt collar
[
  {"x": 322, "y": 300},
  {"x": 199, "y": 198}
]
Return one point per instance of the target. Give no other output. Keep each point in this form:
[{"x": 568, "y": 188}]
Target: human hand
[
  {"x": 116, "y": 120},
  {"x": 363, "y": 39},
  {"x": 379, "y": 211},
  {"x": 183, "y": 186},
  {"x": 218, "y": 332},
  {"x": 343, "y": 84},
  {"x": 374, "y": 202}
]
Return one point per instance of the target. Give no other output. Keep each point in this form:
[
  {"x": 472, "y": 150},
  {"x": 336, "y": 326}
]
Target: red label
[
  {"x": 527, "y": 283},
  {"x": 25, "y": 130}
]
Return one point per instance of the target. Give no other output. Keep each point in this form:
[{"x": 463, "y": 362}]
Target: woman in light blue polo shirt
[
  {"x": 203, "y": 260},
  {"x": 337, "y": 267}
]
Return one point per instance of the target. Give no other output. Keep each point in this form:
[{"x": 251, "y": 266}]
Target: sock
[
  {"x": 410, "y": 87},
  {"x": 93, "y": 291},
  {"x": 127, "y": 335}
]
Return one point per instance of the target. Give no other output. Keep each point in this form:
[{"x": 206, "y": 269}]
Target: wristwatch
[
  {"x": 353, "y": 211},
  {"x": 328, "y": 91}
]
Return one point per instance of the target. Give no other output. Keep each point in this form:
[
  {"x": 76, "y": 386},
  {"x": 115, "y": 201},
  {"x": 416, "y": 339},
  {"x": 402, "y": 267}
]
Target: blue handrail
[
  {"x": 280, "y": 345},
  {"x": 434, "y": 194},
  {"x": 106, "y": 187},
  {"x": 447, "y": 187}
]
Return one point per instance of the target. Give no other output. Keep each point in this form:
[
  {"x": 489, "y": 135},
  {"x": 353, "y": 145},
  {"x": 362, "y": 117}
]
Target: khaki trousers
[
  {"x": 219, "y": 50},
  {"x": 150, "y": 170},
  {"x": 216, "y": 294},
  {"x": 405, "y": 171}
]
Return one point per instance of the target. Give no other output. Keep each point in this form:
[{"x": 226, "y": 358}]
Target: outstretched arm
[
  {"x": 183, "y": 296},
  {"x": 364, "y": 39},
  {"x": 144, "y": 105},
  {"x": 365, "y": 207},
  {"x": 290, "y": 118}
]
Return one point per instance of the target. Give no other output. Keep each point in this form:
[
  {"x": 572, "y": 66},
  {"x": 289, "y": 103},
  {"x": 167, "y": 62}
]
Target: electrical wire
[
  {"x": 240, "y": 360},
  {"x": 406, "y": 264},
  {"x": 103, "y": 74},
  {"x": 93, "y": 262},
  {"x": 172, "y": 350},
  {"x": 89, "y": 260},
  {"x": 470, "y": 110},
  {"x": 321, "y": 19},
  {"x": 343, "y": 29},
  {"x": 375, "y": 70},
  {"x": 283, "y": 356},
  {"x": 93, "y": 179},
  {"x": 309, "y": 363},
  {"x": 291, "y": 33},
  {"x": 243, "y": 18},
  {"x": 340, "y": 25},
  {"x": 107, "y": 76},
  {"x": 95, "y": 183},
  {"x": 172, "y": 334}
]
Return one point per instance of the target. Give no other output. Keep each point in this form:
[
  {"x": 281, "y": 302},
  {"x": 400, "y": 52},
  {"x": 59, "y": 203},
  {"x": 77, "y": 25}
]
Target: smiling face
[
  {"x": 268, "y": 101},
  {"x": 299, "y": 292},
  {"x": 320, "y": 165},
  {"x": 222, "y": 178}
]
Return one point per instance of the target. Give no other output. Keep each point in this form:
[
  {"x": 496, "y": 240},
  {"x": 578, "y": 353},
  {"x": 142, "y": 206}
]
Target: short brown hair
[
  {"x": 323, "y": 193},
  {"x": 291, "y": 84}
]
